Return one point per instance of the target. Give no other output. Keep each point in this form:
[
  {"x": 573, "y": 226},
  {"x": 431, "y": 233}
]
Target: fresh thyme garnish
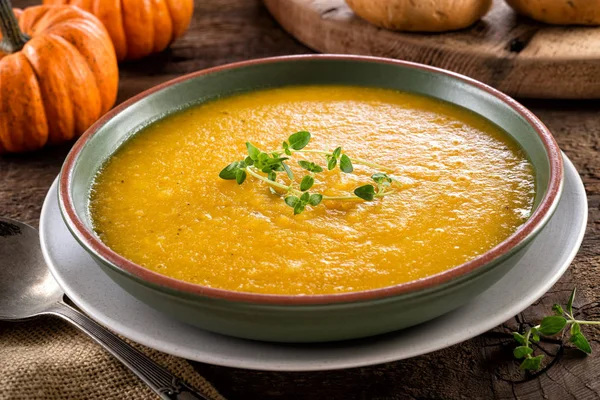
[
  {"x": 550, "y": 326},
  {"x": 298, "y": 196}
]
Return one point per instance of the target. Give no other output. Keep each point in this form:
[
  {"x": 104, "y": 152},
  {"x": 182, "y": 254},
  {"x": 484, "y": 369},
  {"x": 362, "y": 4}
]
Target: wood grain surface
[
  {"x": 514, "y": 54},
  {"x": 481, "y": 368}
]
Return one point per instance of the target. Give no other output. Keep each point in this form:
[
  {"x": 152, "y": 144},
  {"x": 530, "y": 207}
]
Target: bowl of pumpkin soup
[{"x": 311, "y": 198}]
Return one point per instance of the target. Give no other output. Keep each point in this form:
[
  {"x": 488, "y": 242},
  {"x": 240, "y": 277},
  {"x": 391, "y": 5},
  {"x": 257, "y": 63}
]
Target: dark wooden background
[{"x": 224, "y": 31}]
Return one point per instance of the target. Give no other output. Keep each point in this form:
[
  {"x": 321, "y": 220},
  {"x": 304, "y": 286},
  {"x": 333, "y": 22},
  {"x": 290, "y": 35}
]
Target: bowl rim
[{"x": 507, "y": 247}]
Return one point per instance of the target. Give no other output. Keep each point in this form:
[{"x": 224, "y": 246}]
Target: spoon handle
[{"x": 165, "y": 384}]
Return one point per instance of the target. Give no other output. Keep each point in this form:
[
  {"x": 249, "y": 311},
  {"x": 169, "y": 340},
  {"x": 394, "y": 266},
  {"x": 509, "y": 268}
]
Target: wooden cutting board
[{"x": 514, "y": 54}]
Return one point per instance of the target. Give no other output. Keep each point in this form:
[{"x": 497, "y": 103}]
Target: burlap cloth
[{"x": 48, "y": 359}]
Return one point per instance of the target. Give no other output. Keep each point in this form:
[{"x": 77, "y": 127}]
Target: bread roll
[
  {"x": 421, "y": 15},
  {"x": 560, "y": 12}
]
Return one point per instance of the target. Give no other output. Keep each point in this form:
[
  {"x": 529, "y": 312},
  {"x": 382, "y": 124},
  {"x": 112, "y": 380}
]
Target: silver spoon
[{"x": 28, "y": 290}]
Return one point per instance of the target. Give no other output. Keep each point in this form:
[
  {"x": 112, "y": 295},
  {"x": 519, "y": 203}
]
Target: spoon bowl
[{"x": 27, "y": 288}]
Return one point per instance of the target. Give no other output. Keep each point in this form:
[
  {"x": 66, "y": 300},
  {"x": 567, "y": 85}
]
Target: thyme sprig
[
  {"x": 550, "y": 326},
  {"x": 297, "y": 196}
]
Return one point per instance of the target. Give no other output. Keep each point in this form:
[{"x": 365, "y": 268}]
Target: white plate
[{"x": 543, "y": 264}]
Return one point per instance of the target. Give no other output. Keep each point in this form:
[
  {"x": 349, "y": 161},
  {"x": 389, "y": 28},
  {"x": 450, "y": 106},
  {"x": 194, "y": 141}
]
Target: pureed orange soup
[{"x": 464, "y": 187}]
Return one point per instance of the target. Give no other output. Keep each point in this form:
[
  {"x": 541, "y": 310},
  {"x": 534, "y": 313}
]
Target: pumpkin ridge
[
  {"x": 79, "y": 111},
  {"x": 172, "y": 38},
  {"x": 58, "y": 122},
  {"x": 162, "y": 21},
  {"x": 34, "y": 131},
  {"x": 115, "y": 27},
  {"x": 40, "y": 107},
  {"x": 7, "y": 141},
  {"x": 180, "y": 16},
  {"x": 58, "y": 17},
  {"x": 136, "y": 16},
  {"x": 106, "y": 87},
  {"x": 29, "y": 19}
]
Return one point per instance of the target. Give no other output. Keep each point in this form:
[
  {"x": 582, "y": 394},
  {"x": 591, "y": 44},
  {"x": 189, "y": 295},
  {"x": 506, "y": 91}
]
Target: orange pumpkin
[
  {"x": 139, "y": 27},
  {"x": 58, "y": 75}
]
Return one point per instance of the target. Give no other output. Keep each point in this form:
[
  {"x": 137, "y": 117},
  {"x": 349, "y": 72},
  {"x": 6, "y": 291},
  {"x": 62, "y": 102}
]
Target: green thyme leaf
[
  {"x": 366, "y": 192},
  {"x": 315, "y": 168},
  {"x": 298, "y": 208},
  {"x": 248, "y": 161},
  {"x": 532, "y": 363},
  {"x": 552, "y": 325},
  {"x": 272, "y": 176},
  {"x": 286, "y": 148},
  {"x": 558, "y": 310},
  {"x": 381, "y": 178},
  {"x": 570, "y": 303},
  {"x": 292, "y": 201},
  {"x": 331, "y": 162},
  {"x": 581, "y": 342},
  {"x": 253, "y": 152},
  {"x": 275, "y": 160},
  {"x": 288, "y": 171},
  {"x": 262, "y": 157},
  {"x": 299, "y": 140},
  {"x": 307, "y": 182},
  {"x": 315, "y": 199},
  {"x": 337, "y": 152},
  {"x": 240, "y": 176},
  {"x": 522, "y": 351},
  {"x": 346, "y": 164},
  {"x": 575, "y": 328},
  {"x": 305, "y": 197},
  {"x": 378, "y": 177},
  {"x": 305, "y": 164},
  {"x": 519, "y": 338},
  {"x": 310, "y": 166},
  {"x": 229, "y": 171}
]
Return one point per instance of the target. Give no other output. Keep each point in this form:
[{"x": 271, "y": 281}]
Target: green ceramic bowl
[{"x": 321, "y": 317}]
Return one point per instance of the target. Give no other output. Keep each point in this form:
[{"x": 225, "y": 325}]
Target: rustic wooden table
[{"x": 224, "y": 31}]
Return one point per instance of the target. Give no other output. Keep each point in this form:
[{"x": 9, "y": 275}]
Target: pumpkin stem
[{"x": 13, "y": 39}]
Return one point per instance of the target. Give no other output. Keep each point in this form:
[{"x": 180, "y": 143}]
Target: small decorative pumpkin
[
  {"x": 139, "y": 27},
  {"x": 421, "y": 15},
  {"x": 559, "y": 12},
  {"x": 58, "y": 75}
]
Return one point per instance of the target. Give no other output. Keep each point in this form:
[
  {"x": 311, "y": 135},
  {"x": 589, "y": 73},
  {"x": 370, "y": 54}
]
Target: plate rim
[{"x": 162, "y": 345}]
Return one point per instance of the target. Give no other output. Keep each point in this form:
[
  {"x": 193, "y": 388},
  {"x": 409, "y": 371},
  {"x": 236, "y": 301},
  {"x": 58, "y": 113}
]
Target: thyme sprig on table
[
  {"x": 551, "y": 325},
  {"x": 299, "y": 196}
]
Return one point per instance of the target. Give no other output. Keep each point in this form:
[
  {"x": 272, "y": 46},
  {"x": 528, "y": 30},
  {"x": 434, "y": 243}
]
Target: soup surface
[{"x": 464, "y": 187}]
